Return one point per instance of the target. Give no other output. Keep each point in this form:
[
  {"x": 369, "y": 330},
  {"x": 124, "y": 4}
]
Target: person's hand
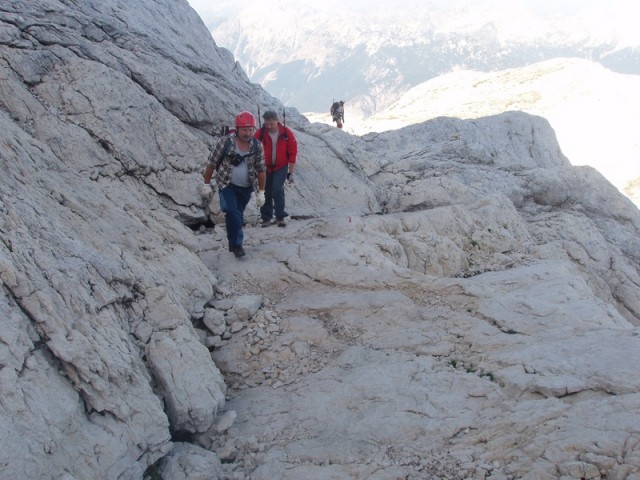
[
  {"x": 206, "y": 191},
  {"x": 289, "y": 178},
  {"x": 260, "y": 198}
]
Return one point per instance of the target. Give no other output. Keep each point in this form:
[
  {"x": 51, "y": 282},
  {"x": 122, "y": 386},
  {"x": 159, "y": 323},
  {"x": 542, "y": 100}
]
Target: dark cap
[{"x": 270, "y": 115}]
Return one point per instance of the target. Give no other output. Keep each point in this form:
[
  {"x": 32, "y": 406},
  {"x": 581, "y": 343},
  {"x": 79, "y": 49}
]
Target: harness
[{"x": 236, "y": 158}]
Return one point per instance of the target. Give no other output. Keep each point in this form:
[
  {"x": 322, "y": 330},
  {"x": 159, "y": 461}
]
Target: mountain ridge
[{"x": 592, "y": 110}]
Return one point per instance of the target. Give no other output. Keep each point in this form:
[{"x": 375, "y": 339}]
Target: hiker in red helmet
[
  {"x": 281, "y": 149},
  {"x": 238, "y": 162}
]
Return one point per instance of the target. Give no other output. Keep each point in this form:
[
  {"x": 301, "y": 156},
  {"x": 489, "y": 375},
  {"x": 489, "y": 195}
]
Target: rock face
[{"x": 448, "y": 300}]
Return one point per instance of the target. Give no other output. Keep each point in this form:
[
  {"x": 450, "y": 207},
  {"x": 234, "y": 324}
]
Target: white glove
[
  {"x": 206, "y": 191},
  {"x": 260, "y": 198}
]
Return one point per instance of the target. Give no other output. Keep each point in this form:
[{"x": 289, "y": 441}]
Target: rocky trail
[{"x": 338, "y": 371}]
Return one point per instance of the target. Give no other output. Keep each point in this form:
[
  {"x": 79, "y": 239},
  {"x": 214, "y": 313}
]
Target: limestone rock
[{"x": 189, "y": 462}]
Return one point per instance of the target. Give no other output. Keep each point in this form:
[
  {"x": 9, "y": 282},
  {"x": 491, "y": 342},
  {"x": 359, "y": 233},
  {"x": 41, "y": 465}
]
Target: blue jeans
[
  {"x": 233, "y": 201},
  {"x": 274, "y": 195}
]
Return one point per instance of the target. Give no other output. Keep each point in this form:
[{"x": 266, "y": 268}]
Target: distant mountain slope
[{"x": 309, "y": 54}]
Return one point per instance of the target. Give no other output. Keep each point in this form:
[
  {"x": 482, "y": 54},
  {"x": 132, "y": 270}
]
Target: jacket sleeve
[
  {"x": 292, "y": 147},
  {"x": 216, "y": 152},
  {"x": 259, "y": 158}
]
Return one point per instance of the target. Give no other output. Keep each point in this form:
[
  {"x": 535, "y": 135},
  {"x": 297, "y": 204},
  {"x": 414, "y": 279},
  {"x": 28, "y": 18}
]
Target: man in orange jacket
[{"x": 280, "y": 152}]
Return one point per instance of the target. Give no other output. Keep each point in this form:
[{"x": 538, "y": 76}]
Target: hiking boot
[
  {"x": 265, "y": 223},
  {"x": 239, "y": 251},
  {"x": 281, "y": 223}
]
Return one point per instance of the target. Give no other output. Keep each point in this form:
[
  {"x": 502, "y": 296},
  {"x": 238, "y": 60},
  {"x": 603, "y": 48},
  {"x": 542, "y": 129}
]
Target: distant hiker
[
  {"x": 337, "y": 113},
  {"x": 238, "y": 162},
  {"x": 281, "y": 150}
]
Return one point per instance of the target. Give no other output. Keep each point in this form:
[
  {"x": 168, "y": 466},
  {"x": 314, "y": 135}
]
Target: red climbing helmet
[{"x": 245, "y": 119}]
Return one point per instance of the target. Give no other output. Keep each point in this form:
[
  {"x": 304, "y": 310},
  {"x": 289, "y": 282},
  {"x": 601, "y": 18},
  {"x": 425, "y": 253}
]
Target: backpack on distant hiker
[{"x": 337, "y": 113}]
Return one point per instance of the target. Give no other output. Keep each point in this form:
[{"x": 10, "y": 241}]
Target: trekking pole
[
  {"x": 259, "y": 117},
  {"x": 289, "y": 181},
  {"x": 285, "y": 135}
]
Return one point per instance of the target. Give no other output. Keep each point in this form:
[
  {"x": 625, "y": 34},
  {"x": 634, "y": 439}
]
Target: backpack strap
[
  {"x": 225, "y": 151},
  {"x": 254, "y": 147}
]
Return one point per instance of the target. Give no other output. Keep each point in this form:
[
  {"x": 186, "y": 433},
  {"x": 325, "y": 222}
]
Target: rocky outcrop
[{"x": 450, "y": 299}]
